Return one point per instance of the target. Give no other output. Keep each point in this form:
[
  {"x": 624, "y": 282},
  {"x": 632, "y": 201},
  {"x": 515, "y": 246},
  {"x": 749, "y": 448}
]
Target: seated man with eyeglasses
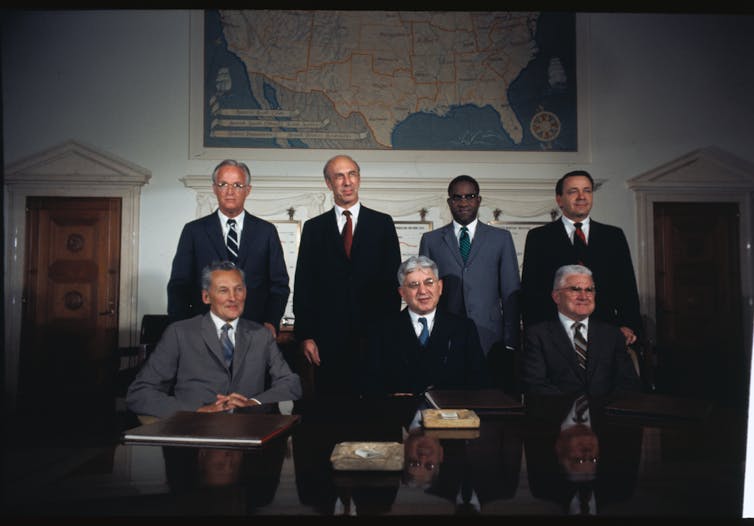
[
  {"x": 423, "y": 347},
  {"x": 576, "y": 354}
]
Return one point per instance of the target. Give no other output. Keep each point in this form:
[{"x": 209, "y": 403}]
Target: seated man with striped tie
[
  {"x": 423, "y": 347},
  {"x": 576, "y": 354},
  {"x": 213, "y": 362}
]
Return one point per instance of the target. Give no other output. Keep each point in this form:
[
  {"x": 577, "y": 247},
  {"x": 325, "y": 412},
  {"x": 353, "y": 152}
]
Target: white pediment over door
[
  {"x": 705, "y": 175},
  {"x": 71, "y": 169}
]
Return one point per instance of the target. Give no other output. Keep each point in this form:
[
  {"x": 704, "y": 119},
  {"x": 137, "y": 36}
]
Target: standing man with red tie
[
  {"x": 230, "y": 233},
  {"x": 575, "y": 238},
  {"x": 345, "y": 280}
]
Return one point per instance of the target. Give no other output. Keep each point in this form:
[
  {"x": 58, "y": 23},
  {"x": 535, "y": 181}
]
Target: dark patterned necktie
[
  {"x": 227, "y": 344},
  {"x": 347, "y": 234},
  {"x": 232, "y": 241},
  {"x": 465, "y": 243},
  {"x": 579, "y": 344},
  {"x": 424, "y": 336}
]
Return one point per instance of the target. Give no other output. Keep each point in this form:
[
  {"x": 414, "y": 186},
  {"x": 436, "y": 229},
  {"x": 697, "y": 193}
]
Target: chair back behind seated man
[
  {"x": 423, "y": 347},
  {"x": 576, "y": 354},
  {"x": 216, "y": 361}
]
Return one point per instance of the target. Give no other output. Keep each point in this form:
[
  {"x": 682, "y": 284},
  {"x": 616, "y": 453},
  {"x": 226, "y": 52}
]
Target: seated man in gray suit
[
  {"x": 576, "y": 353},
  {"x": 215, "y": 361},
  {"x": 422, "y": 347}
]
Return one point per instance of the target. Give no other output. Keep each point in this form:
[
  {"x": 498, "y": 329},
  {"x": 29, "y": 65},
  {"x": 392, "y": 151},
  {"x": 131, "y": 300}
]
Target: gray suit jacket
[
  {"x": 187, "y": 370},
  {"x": 486, "y": 288}
]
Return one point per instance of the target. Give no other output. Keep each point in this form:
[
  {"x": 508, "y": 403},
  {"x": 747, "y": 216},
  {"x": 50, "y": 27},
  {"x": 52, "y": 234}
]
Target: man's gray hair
[
  {"x": 415, "y": 263},
  {"x": 567, "y": 270},
  {"x": 339, "y": 156},
  {"x": 218, "y": 265},
  {"x": 231, "y": 162}
]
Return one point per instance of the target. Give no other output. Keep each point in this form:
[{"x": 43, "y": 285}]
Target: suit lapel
[
  {"x": 214, "y": 231},
  {"x": 478, "y": 241},
  {"x": 564, "y": 346},
  {"x": 408, "y": 334},
  {"x": 246, "y": 236},
  {"x": 451, "y": 242},
  {"x": 360, "y": 232},
  {"x": 209, "y": 335},
  {"x": 333, "y": 236}
]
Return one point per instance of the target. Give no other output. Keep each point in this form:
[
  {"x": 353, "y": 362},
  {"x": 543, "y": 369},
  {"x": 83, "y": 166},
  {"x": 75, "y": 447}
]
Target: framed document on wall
[
  {"x": 290, "y": 234},
  {"x": 409, "y": 236},
  {"x": 519, "y": 230}
]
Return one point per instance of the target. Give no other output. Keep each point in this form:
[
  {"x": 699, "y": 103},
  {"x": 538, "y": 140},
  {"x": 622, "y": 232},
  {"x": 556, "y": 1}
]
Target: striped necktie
[
  {"x": 232, "y": 241},
  {"x": 579, "y": 344},
  {"x": 579, "y": 243},
  {"x": 347, "y": 233}
]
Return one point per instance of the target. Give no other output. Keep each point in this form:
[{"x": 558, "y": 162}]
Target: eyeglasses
[
  {"x": 235, "y": 186},
  {"x": 588, "y": 460},
  {"x": 578, "y": 290},
  {"x": 429, "y": 466},
  {"x": 457, "y": 198},
  {"x": 413, "y": 285}
]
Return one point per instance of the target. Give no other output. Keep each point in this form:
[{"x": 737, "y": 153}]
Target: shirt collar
[
  {"x": 354, "y": 210},
  {"x": 471, "y": 227},
  {"x": 219, "y": 322},
  {"x": 567, "y": 322},
  {"x": 224, "y": 219},
  {"x": 415, "y": 317}
]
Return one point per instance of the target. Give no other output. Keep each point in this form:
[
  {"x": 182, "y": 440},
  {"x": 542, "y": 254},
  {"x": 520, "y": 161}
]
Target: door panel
[
  {"x": 699, "y": 315},
  {"x": 70, "y": 319}
]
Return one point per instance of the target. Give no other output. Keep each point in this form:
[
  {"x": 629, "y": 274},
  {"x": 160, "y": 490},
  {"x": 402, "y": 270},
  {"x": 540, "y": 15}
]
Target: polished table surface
[{"x": 518, "y": 464}]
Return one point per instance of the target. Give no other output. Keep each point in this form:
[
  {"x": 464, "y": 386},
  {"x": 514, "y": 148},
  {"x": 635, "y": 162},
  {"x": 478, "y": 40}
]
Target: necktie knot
[
  {"x": 347, "y": 233},
  {"x": 232, "y": 241},
  {"x": 464, "y": 243},
  {"x": 424, "y": 335}
]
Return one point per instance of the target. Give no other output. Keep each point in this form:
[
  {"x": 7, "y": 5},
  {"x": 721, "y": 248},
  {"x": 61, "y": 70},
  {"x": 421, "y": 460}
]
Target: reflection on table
[{"x": 537, "y": 463}]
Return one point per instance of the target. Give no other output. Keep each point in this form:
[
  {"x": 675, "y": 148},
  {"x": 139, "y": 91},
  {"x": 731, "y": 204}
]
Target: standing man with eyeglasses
[
  {"x": 345, "y": 280},
  {"x": 479, "y": 269},
  {"x": 230, "y": 233},
  {"x": 423, "y": 347},
  {"x": 575, "y": 238},
  {"x": 575, "y": 353}
]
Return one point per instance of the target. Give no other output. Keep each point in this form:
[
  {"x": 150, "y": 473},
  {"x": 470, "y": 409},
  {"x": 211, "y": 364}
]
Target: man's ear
[
  {"x": 402, "y": 293},
  {"x": 439, "y": 287},
  {"x": 205, "y": 297}
]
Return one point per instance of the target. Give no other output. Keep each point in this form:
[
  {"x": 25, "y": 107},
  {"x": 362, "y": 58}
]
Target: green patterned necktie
[{"x": 465, "y": 243}]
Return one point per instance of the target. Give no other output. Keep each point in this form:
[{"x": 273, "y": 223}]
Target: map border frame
[{"x": 197, "y": 150}]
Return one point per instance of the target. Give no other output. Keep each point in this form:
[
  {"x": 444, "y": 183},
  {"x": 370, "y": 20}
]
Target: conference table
[{"x": 528, "y": 462}]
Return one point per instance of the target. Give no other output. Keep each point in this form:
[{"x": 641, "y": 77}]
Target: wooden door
[
  {"x": 70, "y": 319},
  {"x": 698, "y": 293}
]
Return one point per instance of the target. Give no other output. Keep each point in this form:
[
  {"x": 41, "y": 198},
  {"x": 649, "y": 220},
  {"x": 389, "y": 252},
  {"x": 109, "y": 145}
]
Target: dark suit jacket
[
  {"x": 453, "y": 358},
  {"x": 187, "y": 369},
  {"x": 608, "y": 257},
  {"x": 335, "y": 298},
  {"x": 260, "y": 256},
  {"x": 551, "y": 366}
]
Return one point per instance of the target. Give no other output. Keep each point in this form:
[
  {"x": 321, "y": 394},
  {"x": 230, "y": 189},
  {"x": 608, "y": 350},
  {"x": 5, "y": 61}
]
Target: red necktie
[
  {"x": 348, "y": 234},
  {"x": 579, "y": 234},
  {"x": 579, "y": 243}
]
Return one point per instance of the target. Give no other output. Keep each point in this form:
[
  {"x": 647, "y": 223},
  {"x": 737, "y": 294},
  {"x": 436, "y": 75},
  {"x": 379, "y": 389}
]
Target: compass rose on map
[{"x": 545, "y": 126}]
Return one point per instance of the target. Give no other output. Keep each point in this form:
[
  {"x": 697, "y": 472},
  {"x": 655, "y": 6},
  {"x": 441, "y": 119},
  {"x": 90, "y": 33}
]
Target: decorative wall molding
[{"x": 274, "y": 195}]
